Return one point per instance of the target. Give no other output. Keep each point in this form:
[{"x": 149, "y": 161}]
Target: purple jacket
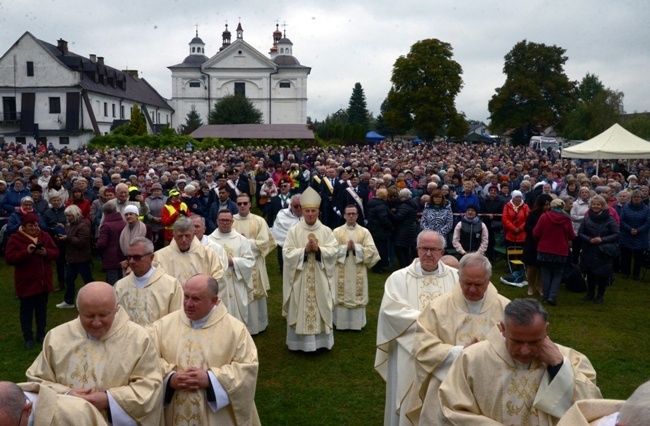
[{"x": 108, "y": 243}]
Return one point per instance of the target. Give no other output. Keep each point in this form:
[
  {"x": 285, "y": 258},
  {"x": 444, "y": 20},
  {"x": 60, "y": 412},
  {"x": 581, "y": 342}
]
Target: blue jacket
[
  {"x": 12, "y": 199},
  {"x": 466, "y": 200},
  {"x": 635, "y": 216}
]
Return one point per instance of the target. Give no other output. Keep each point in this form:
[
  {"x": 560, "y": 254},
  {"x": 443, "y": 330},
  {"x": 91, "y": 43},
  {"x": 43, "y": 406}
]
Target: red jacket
[
  {"x": 84, "y": 205},
  {"x": 32, "y": 272},
  {"x": 515, "y": 220},
  {"x": 553, "y": 233}
]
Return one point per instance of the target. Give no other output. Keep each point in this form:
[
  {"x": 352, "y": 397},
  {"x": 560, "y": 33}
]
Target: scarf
[
  {"x": 514, "y": 207},
  {"x": 128, "y": 234},
  {"x": 33, "y": 239}
]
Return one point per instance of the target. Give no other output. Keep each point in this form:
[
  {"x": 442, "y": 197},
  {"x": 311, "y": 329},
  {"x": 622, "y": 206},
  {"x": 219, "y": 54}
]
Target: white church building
[{"x": 276, "y": 84}]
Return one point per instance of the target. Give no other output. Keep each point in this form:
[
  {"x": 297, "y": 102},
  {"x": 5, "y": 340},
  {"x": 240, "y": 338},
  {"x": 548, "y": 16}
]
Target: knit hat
[
  {"x": 131, "y": 209},
  {"x": 29, "y": 218},
  {"x": 472, "y": 207},
  {"x": 516, "y": 193},
  {"x": 26, "y": 199}
]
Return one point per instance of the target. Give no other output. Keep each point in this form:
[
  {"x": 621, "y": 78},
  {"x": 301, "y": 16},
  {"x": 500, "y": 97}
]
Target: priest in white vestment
[
  {"x": 209, "y": 361},
  {"x": 147, "y": 293},
  {"x": 357, "y": 252},
  {"x": 32, "y": 404},
  {"x": 451, "y": 322},
  {"x": 236, "y": 285},
  {"x": 259, "y": 235},
  {"x": 199, "y": 233},
  {"x": 185, "y": 256},
  {"x": 517, "y": 376},
  {"x": 285, "y": 220},
  {"x": 310, "y": 253},
  {"x": 406, "y": 293},
  {"x": 104, "y": 358}
]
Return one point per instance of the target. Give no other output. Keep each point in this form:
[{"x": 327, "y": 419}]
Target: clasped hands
[
  {"x": 191, "y": 379},
  {"x": 312, "y": 246}
]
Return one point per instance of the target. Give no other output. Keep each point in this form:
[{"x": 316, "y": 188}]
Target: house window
[
  {"x": 64, "y": 140},
  {"x": 105, "y": 109},
  {"x": 122, "y": 112},
  {"x": 240, "y": 89},
  {"x": 113, "y": 109},
  {"x": 285, "y": 85},
  {"x": 30, "y": 69},
  {"x": 55, "y": 105},
  {"x": 195, "y": 84}
]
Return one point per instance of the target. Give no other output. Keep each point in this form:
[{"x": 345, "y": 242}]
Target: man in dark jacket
[{"x": 380, "y": 225}]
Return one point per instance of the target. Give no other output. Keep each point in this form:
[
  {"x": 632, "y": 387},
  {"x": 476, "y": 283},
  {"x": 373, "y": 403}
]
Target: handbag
[{"x": 609, "y": 249}]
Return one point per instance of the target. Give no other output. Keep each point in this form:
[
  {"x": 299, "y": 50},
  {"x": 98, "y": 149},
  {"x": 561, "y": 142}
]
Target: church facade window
[{"x": 240, "y": 88}]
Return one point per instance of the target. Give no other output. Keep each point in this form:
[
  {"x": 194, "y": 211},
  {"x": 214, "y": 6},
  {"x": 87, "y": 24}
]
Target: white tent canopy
[{"x": 613, "y": 143}]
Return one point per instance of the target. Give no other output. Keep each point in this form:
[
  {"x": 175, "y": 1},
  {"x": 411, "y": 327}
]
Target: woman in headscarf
[{"x": 514, "y": 217}]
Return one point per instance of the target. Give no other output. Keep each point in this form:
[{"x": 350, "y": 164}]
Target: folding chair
[{"x": 514, "y": 255}]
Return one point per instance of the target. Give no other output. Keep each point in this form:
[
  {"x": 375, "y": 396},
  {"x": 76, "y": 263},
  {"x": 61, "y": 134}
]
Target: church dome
[
  {"x": 195, "y": 59},
  {"x": 285, "y": 60},
  {"x": 197, "y": 40}
]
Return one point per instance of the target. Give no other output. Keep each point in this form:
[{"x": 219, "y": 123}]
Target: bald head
[
  {"x": 12, "y": 403},
  {"x": 97, "y": 305}
]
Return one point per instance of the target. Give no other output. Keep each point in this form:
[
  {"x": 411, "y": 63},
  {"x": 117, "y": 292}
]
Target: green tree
[
  {"x": 596, "y": 109},
  {"x": 536, "y": 94},
  {"x": 235, "y": 109},
  {"x": 458, "y": 126},
  {"x": 425, "y": 84},
  {"x": 192, "y": 122},
  {"x": 138, "y": 125},
  {"x": 357, "y": 107}
]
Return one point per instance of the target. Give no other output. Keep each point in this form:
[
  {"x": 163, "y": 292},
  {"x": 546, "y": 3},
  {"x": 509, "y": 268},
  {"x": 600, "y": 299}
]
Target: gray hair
[
  {"x": 183, "y": 224},
  {"x": 426, "y": 231},
  {"x": 524, "y": 311},
  {"x": 475, "y": 259},
  {"x": 198, "y": 217},
  {"x": 405, "y": 193},
  {"x": 636, "y": 410},
  {"x": 213, "y": 286},
  {"x": 73, "y": 210},
  {"x": 109, "y": 208},
  {"x": 12, "y": 402},
  {"x": 146, "y": 243}
]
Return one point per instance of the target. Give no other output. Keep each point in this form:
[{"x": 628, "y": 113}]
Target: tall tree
[
  {"x": 425, "y": 84},
  {"x": 235, "y": 109},
  {"x": 138, "y": 125},
  {"x": 596, "y": 109},
  {"x": 536, "y": 94},
  {"x": 357, "y": 107},
  {"x": 192, "y": 122}
]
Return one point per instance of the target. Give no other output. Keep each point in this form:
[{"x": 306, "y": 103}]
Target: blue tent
[
  {"x": 417, "y": 140},
  {"x": 374, "y": 137}
]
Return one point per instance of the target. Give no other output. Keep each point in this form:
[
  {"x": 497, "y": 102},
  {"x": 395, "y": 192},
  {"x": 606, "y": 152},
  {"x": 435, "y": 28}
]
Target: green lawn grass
[{"x": 340, "y": 387}]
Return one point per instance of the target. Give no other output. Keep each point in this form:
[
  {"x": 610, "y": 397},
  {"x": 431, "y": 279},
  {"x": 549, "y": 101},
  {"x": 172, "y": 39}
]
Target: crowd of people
[{"x": 184, "y": 255}]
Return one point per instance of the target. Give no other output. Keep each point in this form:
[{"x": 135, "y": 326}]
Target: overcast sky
[{"x": 351, "y": 41}]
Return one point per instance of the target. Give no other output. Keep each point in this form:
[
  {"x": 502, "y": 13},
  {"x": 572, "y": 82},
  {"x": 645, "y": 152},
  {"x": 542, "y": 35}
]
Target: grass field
[{"x": 340, "y": 387}]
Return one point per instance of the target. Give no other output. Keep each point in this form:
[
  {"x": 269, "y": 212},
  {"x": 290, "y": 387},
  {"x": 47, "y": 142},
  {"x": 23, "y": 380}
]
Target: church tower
[
  {"x": 277, "y": 35},
  {"x": 240, "y": 32},
  {"x": 197, "y": 47},
  {"x": 225, "y": 37}
]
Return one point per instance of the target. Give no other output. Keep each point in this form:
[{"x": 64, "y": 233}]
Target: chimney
[
  {"x": 92, "y": 57},
  {"x": 62, "y": 45},
  {"x": 132, "y": 73},
  {"x": 100, "y": 60}
]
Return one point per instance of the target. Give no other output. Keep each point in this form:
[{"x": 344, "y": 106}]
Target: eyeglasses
[
  {"x": 431, "y": 250},
  {"x": 243, "y": 204},
  {"x": 137, "y": 257}
]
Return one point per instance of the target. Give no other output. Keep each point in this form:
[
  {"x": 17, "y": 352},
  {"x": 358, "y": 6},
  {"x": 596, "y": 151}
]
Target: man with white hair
[
  {"x": 121, "y": 200},
  {"x": 406, "y": 293},
  {"x": 284, "y": 221}
]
